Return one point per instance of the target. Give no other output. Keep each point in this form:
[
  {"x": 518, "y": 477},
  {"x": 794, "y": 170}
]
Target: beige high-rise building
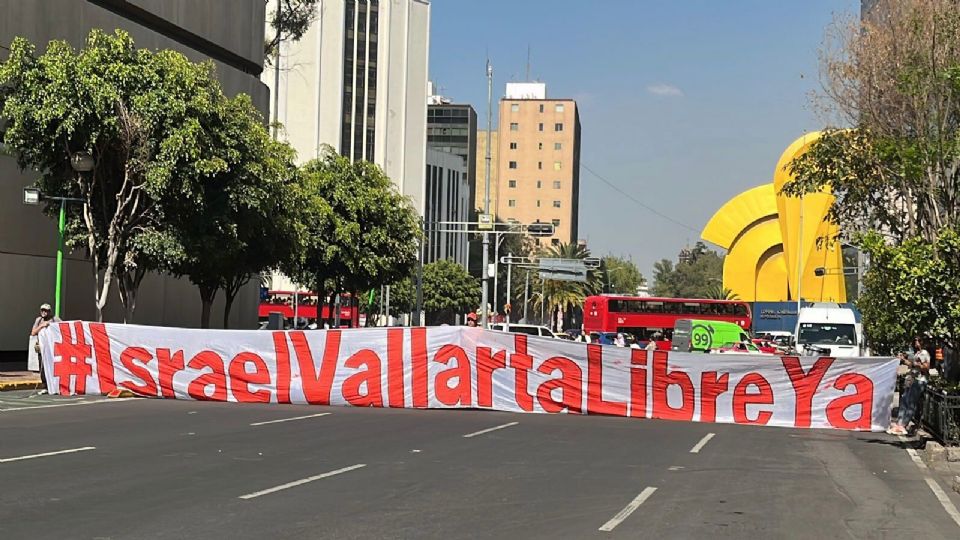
[
  {"x": 482, "y": 170},
  {"x": 538, "y": 175}
]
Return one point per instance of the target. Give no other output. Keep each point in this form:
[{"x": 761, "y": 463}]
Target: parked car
[
  {"x": 529, "y": 329},
  {"x": 767, "y": 346}
]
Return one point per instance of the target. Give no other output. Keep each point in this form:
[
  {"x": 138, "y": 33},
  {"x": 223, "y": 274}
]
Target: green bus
[{"x": 701, "y": 335}]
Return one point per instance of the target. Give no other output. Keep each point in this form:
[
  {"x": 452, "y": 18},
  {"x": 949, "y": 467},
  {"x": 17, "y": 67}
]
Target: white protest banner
[{"x": 459, "y": 367}]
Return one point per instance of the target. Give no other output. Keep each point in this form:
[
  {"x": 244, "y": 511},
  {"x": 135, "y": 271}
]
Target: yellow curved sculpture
[{"x": 769, "y": 236}]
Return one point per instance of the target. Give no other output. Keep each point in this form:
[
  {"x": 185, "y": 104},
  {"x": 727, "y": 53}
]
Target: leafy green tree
[
  {"x": 622, "y": 275},
  {"x": 696, "y": 276},
  {"x": 894, "y": 78},
  {"x": 402, "y": 300},
  {"x": 142, "y": 116},
  {"x": 364, "y": 233},
  {"x": 448, "y": 289},
  {"x": 719, "y": 292}
]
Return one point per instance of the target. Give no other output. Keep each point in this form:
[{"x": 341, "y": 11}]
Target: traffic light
[{"x": 540, "y": 230}]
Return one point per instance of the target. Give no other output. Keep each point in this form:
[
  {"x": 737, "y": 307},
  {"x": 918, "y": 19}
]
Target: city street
[{"x": 142, "y": 468}]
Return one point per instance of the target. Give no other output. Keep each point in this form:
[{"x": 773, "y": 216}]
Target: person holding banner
[
  {"x": 913, "y": 387},
  {"x": 45, "y": 319}
]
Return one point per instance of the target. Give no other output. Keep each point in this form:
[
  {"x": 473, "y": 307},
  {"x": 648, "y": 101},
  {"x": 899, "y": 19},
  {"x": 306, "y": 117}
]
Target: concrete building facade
[
  {"x": 229, "y": 32},
  {"x": 448, "y": 199},
  {"x": 357, "y": 81},
  {"x": 538, "y": 175}
]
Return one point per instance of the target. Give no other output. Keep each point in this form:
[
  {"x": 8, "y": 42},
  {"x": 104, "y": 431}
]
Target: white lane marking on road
[
  {"x": 628, "y": 509},
  {"x": 288, "y": 419},
  {"x": 703, "y": 442},
  {"x": 944, "y": 500},
  {"x": 488, "y": 430},
  {"x": 69, "y": 404},
  {"x": 938, "y": 492},
  {"x": 301, "y": 482},
  {"x": 46, "y": 454}
]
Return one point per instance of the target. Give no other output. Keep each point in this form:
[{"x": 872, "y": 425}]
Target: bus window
[
  {"x": 672, "y": 307},
  {"x": 741, "y": 310}
]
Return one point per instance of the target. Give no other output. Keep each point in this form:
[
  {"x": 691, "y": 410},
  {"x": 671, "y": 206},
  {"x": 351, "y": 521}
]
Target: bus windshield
[{"x": 820, "y": 333}]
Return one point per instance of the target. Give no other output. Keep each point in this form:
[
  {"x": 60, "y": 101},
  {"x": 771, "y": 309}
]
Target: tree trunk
[
  {"x": 128, "y": 283},
  {"x": 233, "y": 288},
  {"x": 207, "y": 295}
]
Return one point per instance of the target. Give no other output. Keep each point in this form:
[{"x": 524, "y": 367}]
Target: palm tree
[
  {"x": 566, "y": 296},
  {"x": 719, "y": 292}
]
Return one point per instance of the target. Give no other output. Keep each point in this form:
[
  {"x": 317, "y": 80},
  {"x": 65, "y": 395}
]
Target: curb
[{"x": 21, "y": 385}]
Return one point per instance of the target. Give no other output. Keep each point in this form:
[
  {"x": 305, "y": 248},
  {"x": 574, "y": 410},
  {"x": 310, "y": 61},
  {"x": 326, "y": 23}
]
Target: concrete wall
[{"x": 28, "y": 237}]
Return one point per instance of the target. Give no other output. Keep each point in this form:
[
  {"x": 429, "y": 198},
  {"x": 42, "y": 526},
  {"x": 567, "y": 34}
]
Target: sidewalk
[{"x": 19, "y": 380}]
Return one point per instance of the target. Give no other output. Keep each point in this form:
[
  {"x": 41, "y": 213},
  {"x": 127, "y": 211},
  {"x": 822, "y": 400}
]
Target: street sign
[
  {"x": 592, "y": 262},
  {"x": 513, "y": 259},
  {"x": 563, "y": 269},
  {"x": 540, "y": 230},
  {"x": 485, "y": 222}
]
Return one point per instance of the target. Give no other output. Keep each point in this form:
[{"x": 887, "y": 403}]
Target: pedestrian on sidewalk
[
  {"x": 914, "y": 384},
  {"x": 39, "y": 325}
]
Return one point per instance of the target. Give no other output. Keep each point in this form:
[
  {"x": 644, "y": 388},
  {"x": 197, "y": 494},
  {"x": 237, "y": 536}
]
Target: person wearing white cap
[{"x": 44, "y": 320}]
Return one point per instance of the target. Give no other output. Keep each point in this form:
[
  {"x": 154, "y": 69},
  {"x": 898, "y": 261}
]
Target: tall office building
[
  {"x": 228, "y": 32},
  {"x": 539, "y": 160},
  {"x": 452, "y": 128},
  {"x": 448, "y": 199},
  {"x": 357, "y": 81}
]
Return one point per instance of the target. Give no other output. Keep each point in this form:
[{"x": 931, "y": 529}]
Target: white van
[
  {"x": 826, "y": 329},
  {"x": 529, "y": 329}
]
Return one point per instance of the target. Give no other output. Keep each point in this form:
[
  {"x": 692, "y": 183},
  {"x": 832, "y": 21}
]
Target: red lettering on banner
[
  {"x": 418, "y": 367},
  {"x": 169, "y": 366},
  {"x": 369, "y": 378},
  {"x": 217, "y": 378},
  {"x": 862, "y": 398},
  {"x": 711, "y": 386},
  {"x": 662, "y": 380},
  {"x": 521, "y": 363},
  {"x": 638, "y": 383},
  {"x": 486, "y": 364},
  {"x": 135, "y": 359},
  {"x": 101, "y": 349},
  {"x": 241, "y": 379},
  {"x": 805, "y": 386},
  {"x": 70, "y": 359},
  {"x": 595, "y": 402},
  {"x": 570, "y": 385},
  {"x": 395, "y": 367},
  {"x": 283, "y": 366},
  {"x": 462, "y": 392},
  {"x": 317, "y": 385},
  {"x": 741, "y": 398}
]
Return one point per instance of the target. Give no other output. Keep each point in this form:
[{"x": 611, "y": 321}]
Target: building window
[
  {"x": 539, "y": 146},
  {"x": 512, "y": 183},
  {"x": 538, "y": 184},
  {"x": 514, "y": 107},
  {"x": 555, "y": 241},
  {"x": 541, "y": 107},
  {"x": 558, "y": 107},
  {"x": 538, "y": 203},
  {"x": 557, "y": 146},
  {"x": 558, "y": 126},
  {"x": 556, "y": 222},
  {"x": 513, "y": 146},
  {"x": 540, "y": 127},
  {"x": 556, "y": 204},
  {"x": 512, "y": 203},
  {"x": 540, "y": 165},
  {"x": 516, "y": 127},
  {"x": 556, "y": 165},
  {"x": 556, "y": 184},
  {"x": 513, "y": 165}
]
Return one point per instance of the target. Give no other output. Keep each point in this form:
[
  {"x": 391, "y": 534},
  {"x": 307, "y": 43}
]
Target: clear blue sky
[{"x": 683, "y": 103}]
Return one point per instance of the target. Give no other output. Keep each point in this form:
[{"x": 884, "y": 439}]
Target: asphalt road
[{"x": 176, "y": 469}]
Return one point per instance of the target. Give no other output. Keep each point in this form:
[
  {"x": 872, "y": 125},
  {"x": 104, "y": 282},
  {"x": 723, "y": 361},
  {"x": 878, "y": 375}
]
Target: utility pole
[
  {"x": 276, "y": 74},
  {"x": 486, "y": 200}
]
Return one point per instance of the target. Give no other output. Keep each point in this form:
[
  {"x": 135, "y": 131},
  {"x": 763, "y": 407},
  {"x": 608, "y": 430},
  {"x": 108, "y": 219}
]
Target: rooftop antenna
[{"x": 528, "y": 63}]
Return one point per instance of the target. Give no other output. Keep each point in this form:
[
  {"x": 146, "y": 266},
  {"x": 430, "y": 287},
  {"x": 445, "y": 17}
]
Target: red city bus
[
  {"x": 282, "y": 302},
  {"x": 645, "y": 316}
]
